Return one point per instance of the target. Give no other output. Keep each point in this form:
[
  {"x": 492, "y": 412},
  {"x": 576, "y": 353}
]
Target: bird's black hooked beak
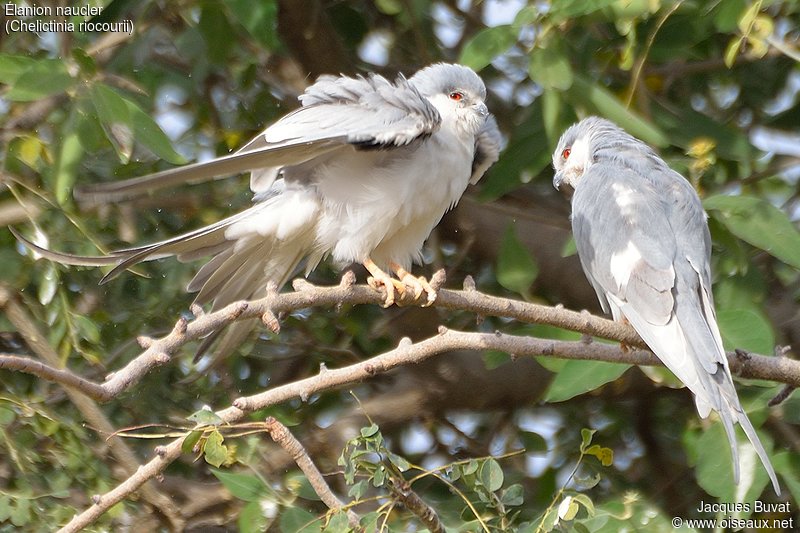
[
  {"x": 558, "y": 178},
  {"x": 561, "y": 185}
]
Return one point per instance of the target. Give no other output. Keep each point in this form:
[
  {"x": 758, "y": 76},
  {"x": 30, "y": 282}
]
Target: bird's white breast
[{"x": 384, "y": 204}]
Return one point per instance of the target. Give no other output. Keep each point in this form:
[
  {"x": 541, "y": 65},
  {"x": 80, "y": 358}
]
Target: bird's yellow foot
[
  {"x": 380, "y": 279},
  {"x": 418, "y": 284}
]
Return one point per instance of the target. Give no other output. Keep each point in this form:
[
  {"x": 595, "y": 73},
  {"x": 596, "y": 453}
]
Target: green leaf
[
  {"x": 630, "y": 9},
  {"x": 487, "y": 44},
  {"x": 42, "y": 78},
  {"x": 87, "y": 328},
  {"x": 550, "y": 520},
  {"x": 516, "y": 269},
  {"x": 546, "y": 331},
  {"x": 605, "y": 455},
  {"x": 214, "y": 451},
  {"x": 21, "y": 512},
  {"x": 493, "y": 359},
  {"x": 389, "y": 7},
  {"x": 577, "y": 377},
  {"x": 746, "y": 329},
  {"x": 216, "y": 31},
  {"x": 748, "y": 17},
  {"x": 151, "y": 136},
  {"x": 568, "y": 509},
  {"x": 586, "y": 438},
  {"x": 570, "y": 247},
  {"x": 187, "y": 446},
  {"x": 513, "y": 495},
  {"x": 205, "y": 417},
  {"x": 491, "y": 475},
  {"x": 369, "y": 521},
  {"x": 590, "y": 96},
  {"x": 25, "y": 150},
  {"x": 379, "y": 477},
  {"x": 524, "y": 157},
  {"x": 759, "y": 223},
  {"x": 369, "y": 431},
  {"x": 6, "y": 416},
  {"x": 251, "y": 519},
  {"x": 124, "y": 122},
  {"x": 400, "y": 462},
  {"x": 12, "y": 67},
  {"x": 5, "y": 507},
  {"x": 48, "y": 284},
  {"x": 586, "y": 502},
  {"x": 66, "y": 168},
  {"x": 549, "y": 66},
  {"x": 533, "y": 442},
  {"x": 551, "y": 111},
  {"x": 527, "y": 15},
  {"x": 715, "y": 469},
  {"x": 298, "y": 484},
  {"x": 685, "y": 126},
  {"x": 788, "y": 464},
  {"x": 338, "y": 523},
  {"x": 260, "y": 19},
  {"x": 296, "y": 519},
  {"x": 570, "y": 9},
  {"x": 115, "y": 119},
  {"x": 84, "y": 61},
  {"x": 470, "y": 468},
  {"x": 246, "y": 487},
  {"x": 726, "y": 14},
  {"x": 358, "y": 490}
]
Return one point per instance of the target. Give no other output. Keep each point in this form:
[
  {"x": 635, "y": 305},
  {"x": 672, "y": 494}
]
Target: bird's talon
[
  {"x": 388, "y": 285},
  {"x": 420, "y": 286},
  {"x": 432, "y": 294}
]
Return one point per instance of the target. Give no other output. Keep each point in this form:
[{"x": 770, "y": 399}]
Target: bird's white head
[
  {"x": 457, "y": 93},
  {"x": 573, "y": 155}
]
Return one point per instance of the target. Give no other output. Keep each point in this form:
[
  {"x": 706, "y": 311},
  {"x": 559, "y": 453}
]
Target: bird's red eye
[
  {"x": 565, "y": 153},
  {"x": 456, "y": 96}
]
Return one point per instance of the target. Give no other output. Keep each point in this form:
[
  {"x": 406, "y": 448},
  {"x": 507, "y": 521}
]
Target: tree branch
[
  {"x": 412, "y": 501},
  {"x": 284, "y": 438},
  {"x": 158, "y": 351},
  {"x": 48, "y": 373},
  {"x": 406, "y": 353}
]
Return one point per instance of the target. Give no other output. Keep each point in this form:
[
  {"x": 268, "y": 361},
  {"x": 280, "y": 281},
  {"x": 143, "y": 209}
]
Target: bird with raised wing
[
  {"x": 644, "y": 244},
  {"x": 361, "y": 172}
]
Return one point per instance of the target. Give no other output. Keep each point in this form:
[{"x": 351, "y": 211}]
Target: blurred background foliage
[{"x": 713, "y": 85}]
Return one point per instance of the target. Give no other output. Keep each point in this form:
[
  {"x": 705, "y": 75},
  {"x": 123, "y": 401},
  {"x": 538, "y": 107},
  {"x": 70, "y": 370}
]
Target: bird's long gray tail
[
  {"x": 262, "y": 244},
  {"x": 718, "y": 391}
]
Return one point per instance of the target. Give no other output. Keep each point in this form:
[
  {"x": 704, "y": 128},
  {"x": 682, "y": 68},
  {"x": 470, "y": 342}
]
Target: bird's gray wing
[
  {"x": 487, "y": 149},
  {"x": 698, "y": 319},
  {"x": 627, "y": 248},
  {"x": 362, "y": 112},
  {"x": 631, "y": 255}
]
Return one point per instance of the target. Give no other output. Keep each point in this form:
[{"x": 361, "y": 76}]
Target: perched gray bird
[
  {"x": 362, "y": 172},
  {"x": 644, "y": 244}
]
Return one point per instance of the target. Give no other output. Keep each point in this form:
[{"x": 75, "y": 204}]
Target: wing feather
[
  {"x": 487, "y": 149},
  {"x": 336, "y": 113}
]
